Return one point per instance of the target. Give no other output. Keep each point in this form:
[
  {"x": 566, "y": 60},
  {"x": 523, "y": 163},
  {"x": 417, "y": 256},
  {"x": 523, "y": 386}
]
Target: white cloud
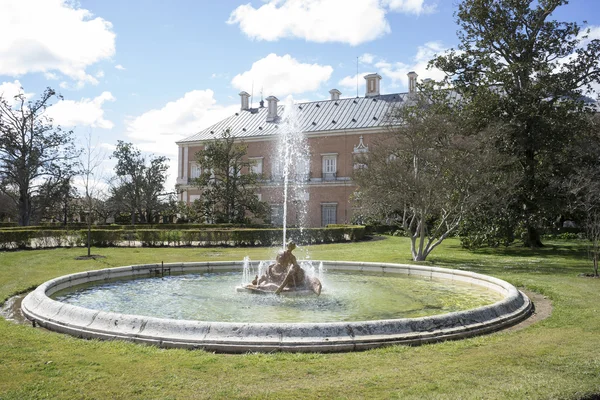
[
  {"x": 366, "y": 58},
  {"x": 395, "y": 73},
  {"x": 351, "y": 22},
  {"x": 157, "y": 130},
  {"x": 100, "y": 74},
  {"x": 348, "y": 84},
  {"x": 86, "y": 112},
  {"x": 120, "y": 67},
  {"x": 417, "y": 7},
  {"x": 8, "y": 91},
  {"x": 73, "y": 41},
  {"x": 282, "y": 76}
]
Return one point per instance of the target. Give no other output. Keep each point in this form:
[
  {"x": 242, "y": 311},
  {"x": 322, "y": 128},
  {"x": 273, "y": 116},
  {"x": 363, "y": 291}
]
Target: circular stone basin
[{"x": 359, "y": 308}]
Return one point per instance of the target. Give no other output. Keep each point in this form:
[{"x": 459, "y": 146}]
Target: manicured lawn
[{"x": 556, "y": 358}]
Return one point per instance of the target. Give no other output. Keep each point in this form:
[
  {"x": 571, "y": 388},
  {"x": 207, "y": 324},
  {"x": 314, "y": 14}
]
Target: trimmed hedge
[
  {"x": 77, "y": 226},
  {"x": 37, "y": 238}
]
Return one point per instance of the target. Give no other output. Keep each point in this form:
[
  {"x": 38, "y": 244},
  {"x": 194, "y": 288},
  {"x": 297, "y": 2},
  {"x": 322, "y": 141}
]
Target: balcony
[{"x": 329, "y": 176}]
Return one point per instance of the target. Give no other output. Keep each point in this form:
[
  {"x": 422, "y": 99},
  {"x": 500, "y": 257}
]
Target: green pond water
[{"x": 345, "y": 297}]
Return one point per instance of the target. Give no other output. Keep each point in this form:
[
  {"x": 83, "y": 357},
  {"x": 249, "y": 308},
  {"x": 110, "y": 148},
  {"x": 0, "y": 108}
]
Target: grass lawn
[{"x": 557, "y": 358}]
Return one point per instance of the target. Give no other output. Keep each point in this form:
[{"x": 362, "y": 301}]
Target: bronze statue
[{"x": 285, "y": 275}]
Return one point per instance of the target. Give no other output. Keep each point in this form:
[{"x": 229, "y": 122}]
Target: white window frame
[
  {"x": 277, "y": 218},
  {"x": 303, "y": 169},
  {"x": 195, "y": 171},
  {"x": 329, "y": 166},
  {"x": 256, "y": 164},
  {"x": 328, "y": 213},
  {"x": 276, "y": 169}
]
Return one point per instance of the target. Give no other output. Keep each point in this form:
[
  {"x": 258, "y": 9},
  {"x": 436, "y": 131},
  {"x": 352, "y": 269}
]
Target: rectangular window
[
  {"x": 303, "y": 169},
  {"x": 256, "y": 165},
  {"x": 194, "y": 197},
  {"x": 329, "y": 167},
  {"x": 276, "y": 170},
  {"x": 196, "y": 171},
  {"x": 328, "y": 214},
  {"x": 277, "y": 215}
]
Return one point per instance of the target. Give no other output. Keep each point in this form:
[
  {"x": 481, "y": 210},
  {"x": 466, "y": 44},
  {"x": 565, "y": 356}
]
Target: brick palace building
[{"x": 336, "y": 130}]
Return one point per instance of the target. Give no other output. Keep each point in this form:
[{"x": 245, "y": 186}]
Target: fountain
[
  {"x": 364, "y": 305},
  {"x": 285, "y": 275}
]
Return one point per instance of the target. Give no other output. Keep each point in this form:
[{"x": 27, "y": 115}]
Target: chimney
[
  {"x": 245, "y": 103},
  {"x": 372, "y": 85},
  {"x": 412, "y": 82},
  {"x": 272, "y": 108},
  {"x": 335, "y": 94}
]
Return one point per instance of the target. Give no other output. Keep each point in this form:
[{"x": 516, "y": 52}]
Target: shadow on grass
[{"x": 563, "y": 258}]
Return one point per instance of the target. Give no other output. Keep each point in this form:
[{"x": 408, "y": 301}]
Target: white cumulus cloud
[
  {"x": 8, "y": 91},
  {"x": 50, "y": 36},
  {"x": 120, "y": 67},
  {"x": 366, "y": 58},
  {"x": 282, "y": 75},
  {"x": 410, "y": 6},
  {"x": 352, "y": 22},
  {"x": 349, "y": 84},
  {"x": 394, "y": 74},
  {"x": 157, "y": 130},
  {"x": 86, "y": 112}
]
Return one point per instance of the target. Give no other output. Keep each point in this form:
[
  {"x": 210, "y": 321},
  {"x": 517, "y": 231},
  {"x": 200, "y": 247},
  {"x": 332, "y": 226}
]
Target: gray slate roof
[{"x": 315, "y": 116}]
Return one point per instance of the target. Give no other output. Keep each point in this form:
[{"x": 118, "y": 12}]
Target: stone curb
[{"x": 231, "y": 337}]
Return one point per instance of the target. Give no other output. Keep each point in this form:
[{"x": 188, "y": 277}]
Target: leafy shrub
[
  {"x": 102, "y": 238},
  {"x": 33, "y": 238}
]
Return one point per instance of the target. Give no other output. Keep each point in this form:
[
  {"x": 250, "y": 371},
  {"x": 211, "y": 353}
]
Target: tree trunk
[
  {"x": 89, "y": 234},
  {"x": 24, "y": 208},
  {"x": 66, "y": 214},
  {"x": 532, "y": 238}
]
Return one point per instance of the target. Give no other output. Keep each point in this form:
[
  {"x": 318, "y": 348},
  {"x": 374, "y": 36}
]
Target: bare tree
[
  {"x": 423, "y": 173},
  {"x": 32, "y": 150},
  {"x": 89, "y": 163}
]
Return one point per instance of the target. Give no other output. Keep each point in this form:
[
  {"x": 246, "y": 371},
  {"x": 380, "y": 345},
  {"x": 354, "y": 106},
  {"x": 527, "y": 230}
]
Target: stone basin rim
[{"x": 234, "y": 337}]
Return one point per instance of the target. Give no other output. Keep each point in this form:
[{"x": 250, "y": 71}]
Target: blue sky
[{"x": 152, "y": 72}]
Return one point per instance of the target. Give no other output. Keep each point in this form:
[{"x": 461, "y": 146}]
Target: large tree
[
  {"x": 139, "y": 181},
  {"x": 517, "y": 65},
  {"x": 227, "y": 182},
  {"x": 33, "y": 151},
  {"x": 424, "y": 173}
]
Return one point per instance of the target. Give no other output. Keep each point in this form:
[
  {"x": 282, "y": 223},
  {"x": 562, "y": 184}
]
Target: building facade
[{"x": 337, "y": 130}]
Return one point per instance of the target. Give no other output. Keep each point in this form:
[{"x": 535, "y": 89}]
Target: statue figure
[{"x": 286, "y": 274}]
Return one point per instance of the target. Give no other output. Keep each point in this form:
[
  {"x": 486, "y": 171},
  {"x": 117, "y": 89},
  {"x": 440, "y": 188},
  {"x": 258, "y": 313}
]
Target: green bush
[
  {"x": 102, "y": 238},
  {"x": 38, "y": 238},
  {"x": 33, "y": 238}
]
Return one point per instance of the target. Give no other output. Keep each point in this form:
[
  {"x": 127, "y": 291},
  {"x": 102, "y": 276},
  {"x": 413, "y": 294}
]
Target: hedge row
[
  {"x": 77, "y": 226},
  {"x": 34, "y": 238}
]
